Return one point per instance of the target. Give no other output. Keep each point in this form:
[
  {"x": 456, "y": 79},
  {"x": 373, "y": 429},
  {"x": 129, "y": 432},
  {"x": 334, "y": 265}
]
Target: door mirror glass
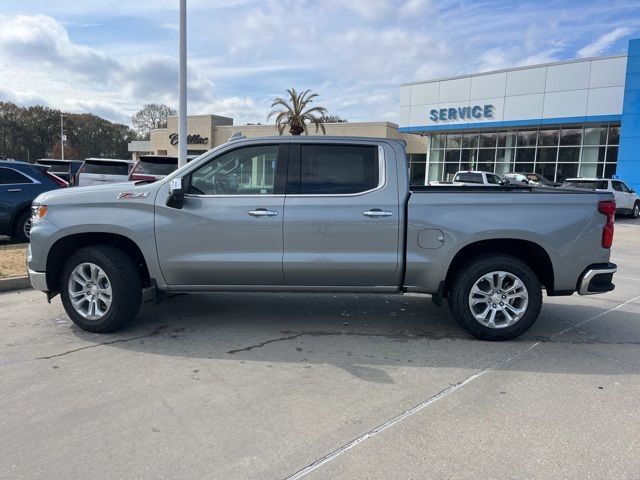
[{"x": 175, "y": 199}]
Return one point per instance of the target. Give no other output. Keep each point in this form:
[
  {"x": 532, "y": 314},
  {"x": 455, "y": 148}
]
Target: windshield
[
  {"x": 589, "y": 184},
  {"x": 156, "y": 166},
  {"x": 468, "y": 177}
]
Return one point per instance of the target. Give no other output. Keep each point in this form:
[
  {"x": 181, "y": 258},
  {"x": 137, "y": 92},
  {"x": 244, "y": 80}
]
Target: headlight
[{"x": 38, "y": 212}]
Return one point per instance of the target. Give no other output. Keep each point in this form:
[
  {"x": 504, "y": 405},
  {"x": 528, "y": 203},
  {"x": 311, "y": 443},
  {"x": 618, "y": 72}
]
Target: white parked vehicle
[
  {"x": 98, "y": 171},
  {"x": 627, "y": 200},
  {"x": 473, "y": 177}
]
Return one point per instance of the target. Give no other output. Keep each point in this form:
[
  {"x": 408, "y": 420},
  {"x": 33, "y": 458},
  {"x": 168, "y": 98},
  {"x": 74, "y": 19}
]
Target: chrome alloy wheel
[
  {"x": 26, "y": 228},
  {"x": 498, "y": 299},
  {"x": 90, "y": 291}
]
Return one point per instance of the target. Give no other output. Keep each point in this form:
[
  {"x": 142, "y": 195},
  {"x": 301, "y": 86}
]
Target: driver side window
[{"x": 245, "y": 171}]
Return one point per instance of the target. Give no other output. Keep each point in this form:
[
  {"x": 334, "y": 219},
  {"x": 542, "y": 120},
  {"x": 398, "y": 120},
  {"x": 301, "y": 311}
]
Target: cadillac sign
[{"x": 191, "y": 139}]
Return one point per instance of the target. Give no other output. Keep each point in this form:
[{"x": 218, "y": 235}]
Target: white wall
[{"x": 577, "y": 88}]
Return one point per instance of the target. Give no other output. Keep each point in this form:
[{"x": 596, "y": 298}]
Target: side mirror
[
  {"x": 526, "y": 182},
  {"x": 175, "y": 199}
]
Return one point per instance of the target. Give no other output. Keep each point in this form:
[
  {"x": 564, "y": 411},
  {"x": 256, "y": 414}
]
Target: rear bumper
[
  {"x": 38, "y": 280},
  {"x": 597, "y": 278}
]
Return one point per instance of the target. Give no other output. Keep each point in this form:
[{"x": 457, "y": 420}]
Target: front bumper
[
  {"x": 597, "y": 278},
  {"x": 38, "y": 280}
]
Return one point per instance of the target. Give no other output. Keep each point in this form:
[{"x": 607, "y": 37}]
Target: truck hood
[{"x": 95, "y": 193}]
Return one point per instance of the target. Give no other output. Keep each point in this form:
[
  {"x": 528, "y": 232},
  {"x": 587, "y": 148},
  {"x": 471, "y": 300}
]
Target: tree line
[{"x": 30, "y": 133}]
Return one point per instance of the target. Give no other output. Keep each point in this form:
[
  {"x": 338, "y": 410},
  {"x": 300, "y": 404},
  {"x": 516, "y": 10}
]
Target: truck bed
[{"x": 441, "y": 221}]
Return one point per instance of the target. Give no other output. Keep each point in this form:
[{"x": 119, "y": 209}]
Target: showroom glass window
[
  {"x": 556, "y": 153},
  {"x": 245, "y": 171}
]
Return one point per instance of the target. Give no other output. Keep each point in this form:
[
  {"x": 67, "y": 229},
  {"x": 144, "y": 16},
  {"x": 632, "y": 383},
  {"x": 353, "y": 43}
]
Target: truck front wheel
[
  {"x": 100, "y": 288},
  {"x": 495, "y": 297}
]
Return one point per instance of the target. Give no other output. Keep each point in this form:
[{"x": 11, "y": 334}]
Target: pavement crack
[
  {"x": 260, "y": 345},
  {"x": 120, "y": 340}
]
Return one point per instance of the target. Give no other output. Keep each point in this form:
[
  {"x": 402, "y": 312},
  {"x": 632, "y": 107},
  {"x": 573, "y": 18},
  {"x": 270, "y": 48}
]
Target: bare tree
[{"x": 150, "y": 117}]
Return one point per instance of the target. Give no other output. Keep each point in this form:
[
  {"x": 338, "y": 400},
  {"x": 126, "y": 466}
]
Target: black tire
[
  {"x": 635, "y": 212},
  {"x": 124, "y": 279},
  {"x": 471, "y": 272},
  {"x": 19, "y": 234}
]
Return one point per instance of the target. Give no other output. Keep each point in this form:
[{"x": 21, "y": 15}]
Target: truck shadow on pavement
[{"x": 365, "y": 334}]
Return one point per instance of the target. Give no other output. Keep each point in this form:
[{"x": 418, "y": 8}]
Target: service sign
[{"x": 461, "y": 113}]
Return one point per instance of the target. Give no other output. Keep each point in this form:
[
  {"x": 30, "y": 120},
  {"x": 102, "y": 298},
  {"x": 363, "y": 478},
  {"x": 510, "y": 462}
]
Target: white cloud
[
  {"x": 602, "y": 44},
  {"x": 242, "y": 53}
]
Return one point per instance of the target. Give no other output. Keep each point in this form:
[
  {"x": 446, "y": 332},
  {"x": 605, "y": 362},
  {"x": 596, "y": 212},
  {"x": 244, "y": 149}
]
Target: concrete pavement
[{"x": 323, "y": 386}]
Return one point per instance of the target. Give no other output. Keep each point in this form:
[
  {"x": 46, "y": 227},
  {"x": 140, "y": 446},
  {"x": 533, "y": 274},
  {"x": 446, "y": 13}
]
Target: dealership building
[{"x": 564, "y": 119}]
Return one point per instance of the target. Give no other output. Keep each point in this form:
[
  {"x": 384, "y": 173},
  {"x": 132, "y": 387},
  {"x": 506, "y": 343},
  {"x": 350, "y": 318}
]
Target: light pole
[
  {"x": 182, "y": 80},
  {"x": 63, "y": 137}
]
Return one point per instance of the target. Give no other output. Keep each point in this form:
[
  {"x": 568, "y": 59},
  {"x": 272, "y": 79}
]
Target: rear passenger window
[
  {"x": 338, "y": 169},
  {"x": 8, "y": 176}
]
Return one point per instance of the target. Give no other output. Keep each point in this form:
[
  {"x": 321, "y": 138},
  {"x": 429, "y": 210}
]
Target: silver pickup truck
[{"x": 319, "y": 214}]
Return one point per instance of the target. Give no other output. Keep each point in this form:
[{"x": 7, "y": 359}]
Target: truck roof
[{"x": 320, "y": 138}]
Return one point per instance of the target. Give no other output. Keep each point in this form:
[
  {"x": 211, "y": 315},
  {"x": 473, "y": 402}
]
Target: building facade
[
  {"x": 565, "y": 119},
  {"x": 208, "y": 131}
]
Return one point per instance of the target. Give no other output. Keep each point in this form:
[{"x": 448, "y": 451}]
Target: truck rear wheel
[
  {"x": 100, "y": 288},
  {"x": 495, "y": 297}
]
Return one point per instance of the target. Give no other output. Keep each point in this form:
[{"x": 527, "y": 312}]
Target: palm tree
[{"x": 295, "y": 112}]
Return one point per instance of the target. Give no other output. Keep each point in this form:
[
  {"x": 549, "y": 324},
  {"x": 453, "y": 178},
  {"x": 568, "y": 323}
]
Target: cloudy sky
[{"x": 111, "y": 56}]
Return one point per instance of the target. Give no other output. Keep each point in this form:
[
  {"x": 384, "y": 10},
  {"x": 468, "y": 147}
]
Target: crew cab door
[
  {"x": 229, "y": 230},
  {"x": 341, "y": 221}
]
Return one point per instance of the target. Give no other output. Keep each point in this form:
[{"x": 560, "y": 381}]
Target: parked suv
[
  {"x": 98, "y": 171},
  {"x": 20, "y": 183},
  {"x": 153, "y": 167},
  {"x": 627, "y": 200}
]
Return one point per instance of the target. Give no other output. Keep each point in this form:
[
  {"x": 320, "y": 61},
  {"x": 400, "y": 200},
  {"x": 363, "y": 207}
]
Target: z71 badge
[{"x": 130, "y": 195}]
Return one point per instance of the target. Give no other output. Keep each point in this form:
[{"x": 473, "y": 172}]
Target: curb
[{"x": 14, "y": 283}]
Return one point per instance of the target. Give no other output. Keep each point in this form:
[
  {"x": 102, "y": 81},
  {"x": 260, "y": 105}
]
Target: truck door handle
[
  {"x": 14, "y": 190},
  {"x": 262, "y": 212},
  {"x": 376, "y": 213}
]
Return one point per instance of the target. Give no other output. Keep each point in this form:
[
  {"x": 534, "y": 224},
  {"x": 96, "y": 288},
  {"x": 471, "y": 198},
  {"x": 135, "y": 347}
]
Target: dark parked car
[
  {"x": 530, "y": 179},
  {"x": 65, "y": 169},
  {"x": 20, "y": 183},
  {"x": 153, "y": 167}
]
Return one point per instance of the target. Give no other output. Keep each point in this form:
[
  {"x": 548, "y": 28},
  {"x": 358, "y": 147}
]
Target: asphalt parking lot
[{"x": 230, "y": 386}]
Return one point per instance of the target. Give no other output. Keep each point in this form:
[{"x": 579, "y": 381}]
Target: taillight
[
  {"x": 608, "y": 208},
  {"x": 61, "y": 183},
  {"x": 136, "y": 177}
]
